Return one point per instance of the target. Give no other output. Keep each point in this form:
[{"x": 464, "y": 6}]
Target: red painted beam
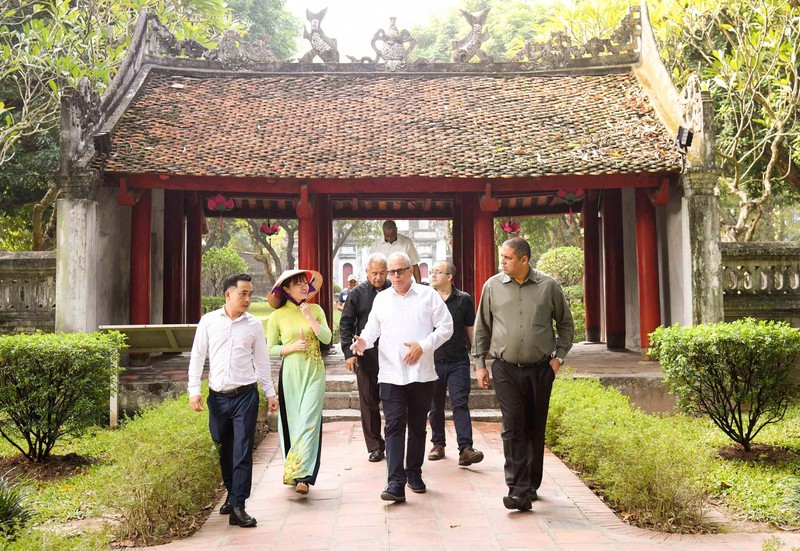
[
  {"x": 647, "y": 266},
  {"x": 140, "y": 261},
  {"x": 383, "y": 186}
]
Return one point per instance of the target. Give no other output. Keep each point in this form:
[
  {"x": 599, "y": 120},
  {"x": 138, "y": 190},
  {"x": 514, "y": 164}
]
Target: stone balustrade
[
  {"x": 762, "y": 281},
  {"x": 27, "y": 291}
]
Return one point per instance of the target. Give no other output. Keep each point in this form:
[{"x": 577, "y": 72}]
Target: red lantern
[
  {"x": 269, "y": 230},
  {"x": 220, "y": 204},
  {"x": 569, "y": 198},
  {"x": 509, "y": 226}
]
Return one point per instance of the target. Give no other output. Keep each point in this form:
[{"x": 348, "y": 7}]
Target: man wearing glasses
[
  {"x": 412, "y": 321},
  {"x": 354, "y": 317},
  {"x": 452, "y": 367}
]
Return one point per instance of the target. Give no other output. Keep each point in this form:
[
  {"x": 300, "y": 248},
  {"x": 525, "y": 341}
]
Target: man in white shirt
[
  {"x": 392, "y": 242},
  {"x": 234, "y": 341},
  {"x": 412, "y": 321}
]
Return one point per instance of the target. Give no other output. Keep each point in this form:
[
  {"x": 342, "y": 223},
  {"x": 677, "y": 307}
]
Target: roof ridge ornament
[
  {"x": 321, "y": 45},
  {"x": 557, "y": 51},
  {"x": 233, "y": 52},
  {"x": 470, "y": 46},
  {"x": 160, "y": 41},
  {"x": 393, "y": 49}
]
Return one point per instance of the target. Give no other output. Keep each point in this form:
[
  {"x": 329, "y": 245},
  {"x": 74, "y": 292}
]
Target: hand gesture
[
  {"x": 358, "y": 346},
  {"x": 307, "y": 313},
  {"x": 414, "y": 353}
]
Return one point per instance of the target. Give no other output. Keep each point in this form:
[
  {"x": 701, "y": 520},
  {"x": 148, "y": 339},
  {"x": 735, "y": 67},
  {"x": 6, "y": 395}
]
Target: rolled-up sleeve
[{"x": 442, "y": 323}]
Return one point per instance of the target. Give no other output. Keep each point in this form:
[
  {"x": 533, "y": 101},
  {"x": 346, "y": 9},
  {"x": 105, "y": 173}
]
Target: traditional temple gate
[{"x": 465, "y": 141}]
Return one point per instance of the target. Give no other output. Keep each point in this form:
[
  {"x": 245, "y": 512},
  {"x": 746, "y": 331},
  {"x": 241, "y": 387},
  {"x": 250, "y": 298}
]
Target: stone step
[
  {"x": 479, "y": 415},
  {"x": 478, "y": 400}
]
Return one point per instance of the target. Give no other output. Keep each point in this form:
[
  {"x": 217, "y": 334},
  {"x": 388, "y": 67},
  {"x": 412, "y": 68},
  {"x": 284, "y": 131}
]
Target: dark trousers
[
  {"x": 524, "y": 396},
  {"x": 369, "y": 399},
  {"x": 453, "y": 377},
  {"x": 405, "y": 405},
  {"x": 232, "y": 422}
]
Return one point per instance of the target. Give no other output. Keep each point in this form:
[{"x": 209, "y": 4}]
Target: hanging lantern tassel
[
  {"x": 569, "y": 198},
  {"x": 220, "y": 204}
]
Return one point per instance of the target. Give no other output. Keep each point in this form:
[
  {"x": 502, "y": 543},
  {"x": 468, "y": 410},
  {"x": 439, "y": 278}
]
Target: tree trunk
[{"x": 38, "y": 210}]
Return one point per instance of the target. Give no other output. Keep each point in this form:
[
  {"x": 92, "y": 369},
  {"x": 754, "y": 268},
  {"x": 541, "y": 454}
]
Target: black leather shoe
[
  {"x": 520, "y": 503},
  {"x": 239, "y": 517},
  {"x": 226, "y": 508},
  {"x": 394, "y": 492},
  {"x": 376, "y": 455},
  {"x": 533, "y": 495},
  {"x": 416, "y": 484}
]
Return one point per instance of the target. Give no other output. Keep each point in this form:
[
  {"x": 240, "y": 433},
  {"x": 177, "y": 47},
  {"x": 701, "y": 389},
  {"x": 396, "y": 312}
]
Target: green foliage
[
  {"x": 209, "y": 304},
  {"x": 564, "y": 264},
  {"x": 574, "y": 296},
  {"x": 268, "y": 17},
  {"x": 15, "y": 230},
  {"x": 13, "y": 513},
  {"x": 219, "y": 263},
  {"x": 54, "y": 385},
  {"x": 172, "y": 475},
  {"x": 632, "y": 455},
  {"x": 740, "y": 374}
]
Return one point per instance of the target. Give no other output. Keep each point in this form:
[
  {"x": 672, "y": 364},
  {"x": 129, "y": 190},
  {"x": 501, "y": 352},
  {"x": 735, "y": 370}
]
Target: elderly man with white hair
[{"x": 412, "y": 321}]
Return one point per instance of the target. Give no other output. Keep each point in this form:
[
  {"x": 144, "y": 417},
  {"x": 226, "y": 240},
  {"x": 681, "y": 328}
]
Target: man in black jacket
[{"x": 354, "y": 317}]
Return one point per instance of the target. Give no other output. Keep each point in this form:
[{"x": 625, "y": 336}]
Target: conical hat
[{"x": 314, "y": 281}]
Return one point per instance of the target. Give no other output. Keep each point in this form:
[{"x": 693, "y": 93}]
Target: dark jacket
[{"x": 354, "y": 317}]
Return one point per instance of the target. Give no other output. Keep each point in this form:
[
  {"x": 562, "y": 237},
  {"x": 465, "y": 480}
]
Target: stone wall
[
  {"x": 27, "y": 291},
  {"x": 761, "y": 281}
]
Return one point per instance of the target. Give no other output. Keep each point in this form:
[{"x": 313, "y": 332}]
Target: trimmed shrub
[
  {"x": 564, "y": 264},
  {"x": 54, "y": 385},
  {"x": 574, "y": 296},
  {"x": 219, "y": 263},
  {"x": 646, "y": 466},
  {"x": 13, "y": 513},
  {"x": 210, "y": 303},
  {"x": 162, "y": 487},
  {"x": 740, "y": 374}
]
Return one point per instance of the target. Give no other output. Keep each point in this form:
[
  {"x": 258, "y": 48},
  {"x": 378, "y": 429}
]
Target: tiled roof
[{"x": 387, "y": 125}]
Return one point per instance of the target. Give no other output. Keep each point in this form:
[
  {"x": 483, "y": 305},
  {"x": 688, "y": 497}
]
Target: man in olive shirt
[{"x": 514, "y": 325}]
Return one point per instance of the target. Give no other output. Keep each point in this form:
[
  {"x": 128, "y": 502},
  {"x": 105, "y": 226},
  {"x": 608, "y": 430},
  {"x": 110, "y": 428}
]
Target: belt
[
  {"x": 546, "y": 359},
  {"x": 234, "y": 391}
]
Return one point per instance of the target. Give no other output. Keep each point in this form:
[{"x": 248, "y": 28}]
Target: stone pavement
[{"x": 462, "y": 508}]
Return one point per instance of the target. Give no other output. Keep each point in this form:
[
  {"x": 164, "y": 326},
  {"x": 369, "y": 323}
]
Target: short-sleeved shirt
[
  {"x": 343, "y": 295},
  {"x": 462, "y": 310},
  {"x": 401, "y": 245}
]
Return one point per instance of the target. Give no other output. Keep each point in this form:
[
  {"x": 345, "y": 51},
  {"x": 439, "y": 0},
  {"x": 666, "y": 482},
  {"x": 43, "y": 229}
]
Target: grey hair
[
  {"x": 451, "y": 268},
  {"x": 404, "y": 256},
  {"x": 376, "y": 258}
]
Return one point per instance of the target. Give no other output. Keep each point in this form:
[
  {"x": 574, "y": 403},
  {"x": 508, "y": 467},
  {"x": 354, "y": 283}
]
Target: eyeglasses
[
  {"x": 398, "y": 271},
  {"x": 437, "y": 272}
]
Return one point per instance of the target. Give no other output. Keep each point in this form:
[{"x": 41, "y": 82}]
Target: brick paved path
[{"x": 462, "y": 509}]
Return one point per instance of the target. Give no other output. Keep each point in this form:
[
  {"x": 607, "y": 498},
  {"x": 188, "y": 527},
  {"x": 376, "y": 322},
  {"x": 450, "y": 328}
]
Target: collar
[
  {"x": 224, "y": 314},
  {"x": 534, "y": 276}
]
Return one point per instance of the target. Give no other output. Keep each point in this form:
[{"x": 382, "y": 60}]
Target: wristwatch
[{"x": 560, "y": 361}]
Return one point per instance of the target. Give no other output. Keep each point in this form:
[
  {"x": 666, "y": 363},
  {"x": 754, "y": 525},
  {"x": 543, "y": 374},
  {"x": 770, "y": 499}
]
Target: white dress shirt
[
  {"x": 401, "y": 245},
  {"x": 237, "y": 352},
  {"x": 418, "y": 316}
]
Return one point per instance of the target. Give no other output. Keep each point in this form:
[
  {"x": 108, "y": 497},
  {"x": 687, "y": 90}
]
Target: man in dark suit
[{"x": 354, "y": 317}]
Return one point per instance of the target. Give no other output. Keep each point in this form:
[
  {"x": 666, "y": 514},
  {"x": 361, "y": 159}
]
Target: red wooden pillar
[
  {"x": 468, "y": 202},
  {"x": 647, "y": 267},
  {"x": 458, "y": 255},
  {"x": 325, "y": 262},
  {"x": 307, "y": 235},
  {"x": 194, "y": 257},
  {"x": 485, "y": 262},
  {"x": 614, "y": 269},
  {"x": 591, "y": 267},
  {"x": 140, "y": 260},
  {"x": 173, "y": 256}
]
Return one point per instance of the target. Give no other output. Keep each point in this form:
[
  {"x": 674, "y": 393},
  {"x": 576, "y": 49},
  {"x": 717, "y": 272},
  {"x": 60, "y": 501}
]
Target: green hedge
[
  {"x": 209, "y": 304},
  {"x": 740, "y": 374},
  {"x": 647, "y": 468},
  {"x": 54, "y": 385}
]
